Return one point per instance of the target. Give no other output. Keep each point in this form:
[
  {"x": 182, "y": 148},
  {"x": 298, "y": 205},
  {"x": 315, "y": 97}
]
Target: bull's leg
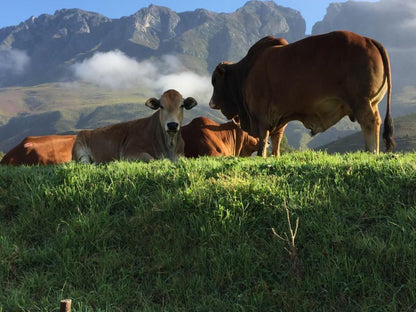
[
  {"x": 370, "y": 121},
  {"x": 264, "y": 137},
  {"x": 79, "y": 154},
  {"x": 276, "y": 138}
]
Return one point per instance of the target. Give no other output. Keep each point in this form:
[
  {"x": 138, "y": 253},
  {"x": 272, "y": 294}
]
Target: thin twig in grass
[{"x": 292, "y": 250}]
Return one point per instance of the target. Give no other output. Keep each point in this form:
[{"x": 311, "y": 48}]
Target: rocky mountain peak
[
  {"x": 269, "y": 18},
  {"x": 255, "y": 6},
  {"x": 161, "y": 20},
  {"x": 67, "y": 18}
]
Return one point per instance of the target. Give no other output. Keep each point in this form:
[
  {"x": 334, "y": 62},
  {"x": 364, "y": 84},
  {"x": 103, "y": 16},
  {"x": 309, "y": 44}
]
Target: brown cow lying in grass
[
  {"x": 154, "y": 137},
  {"x": 205, "y": 137},
  {"x": 41, "y": 150}
]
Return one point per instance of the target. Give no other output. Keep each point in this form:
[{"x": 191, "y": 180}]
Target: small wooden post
[{"x": 66, "y": 305}]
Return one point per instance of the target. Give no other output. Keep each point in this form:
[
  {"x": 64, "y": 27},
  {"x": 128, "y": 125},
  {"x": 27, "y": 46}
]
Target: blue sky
[{"x": 12, "y": 12}]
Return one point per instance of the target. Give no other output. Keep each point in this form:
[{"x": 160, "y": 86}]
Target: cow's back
[
  {"x": 115, "y": 142},
  {"x": 41, "y": 150},
  {"x": 315, "y": 80},
  {"x": 205, "y": 137},
  {"x": 336, "y": 64},
  {"x": 102, "y": 144},
  {"x": 201, "y": 138}
]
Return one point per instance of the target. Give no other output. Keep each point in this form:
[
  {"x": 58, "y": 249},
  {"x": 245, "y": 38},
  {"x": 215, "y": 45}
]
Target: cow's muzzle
[
  {"x": 172, "y": 126},
  {"x": 213, "y": 105}
]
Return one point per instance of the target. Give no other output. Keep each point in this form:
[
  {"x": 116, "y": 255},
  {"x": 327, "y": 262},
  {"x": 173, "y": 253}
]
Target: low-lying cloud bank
[
  {"x": 116, "y": 71},
  {"x": 13, "y": 62}
]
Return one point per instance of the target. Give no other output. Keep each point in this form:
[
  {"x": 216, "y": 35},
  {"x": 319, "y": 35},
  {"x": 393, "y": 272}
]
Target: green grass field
[{"x": 203, "y": 235}]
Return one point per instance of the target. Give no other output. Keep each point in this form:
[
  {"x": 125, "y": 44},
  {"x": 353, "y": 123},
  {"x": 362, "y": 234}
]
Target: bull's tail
[{"x": 388, "y": 120}]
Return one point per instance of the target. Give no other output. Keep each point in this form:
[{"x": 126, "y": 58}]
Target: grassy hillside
[
  {"x": 55, "y": 96},
  {"x": 404, "y": 135},
  {"x": 203, "y": 235}
]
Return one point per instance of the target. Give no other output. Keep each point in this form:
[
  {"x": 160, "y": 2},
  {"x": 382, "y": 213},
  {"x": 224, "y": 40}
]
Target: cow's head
[
  {"x": 171, "y": 105},
  {"x": 249, "y": 144},
  {"x": 221, "y": 93}
]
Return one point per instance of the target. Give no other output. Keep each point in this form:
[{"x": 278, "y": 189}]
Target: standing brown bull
[
  {"x": 317, "y": 80},
  {"x": 205, "y": 137},
  {"x": 41, "y": 150},
  {"x": 154, "y": 137}
]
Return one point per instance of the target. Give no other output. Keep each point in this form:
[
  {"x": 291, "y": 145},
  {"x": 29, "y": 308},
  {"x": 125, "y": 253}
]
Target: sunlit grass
[{"x": 197, "y": 235}]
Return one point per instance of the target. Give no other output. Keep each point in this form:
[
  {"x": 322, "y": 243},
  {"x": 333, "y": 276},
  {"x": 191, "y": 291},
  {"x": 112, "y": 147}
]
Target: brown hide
[
  {"x": 205, "y": 137},
  {"x": 317, "y": 80},
  {"x": 41, "y": 150}
]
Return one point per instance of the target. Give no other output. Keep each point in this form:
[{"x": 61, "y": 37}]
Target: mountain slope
[
  {"x": 404, "y": 135},
  {"x": 200, "y": 38}
]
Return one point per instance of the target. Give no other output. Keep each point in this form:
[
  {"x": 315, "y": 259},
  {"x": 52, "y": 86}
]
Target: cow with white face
[{"x": 154, "y": 137}]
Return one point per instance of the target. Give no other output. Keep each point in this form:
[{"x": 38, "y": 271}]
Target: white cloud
[
  {"x": 116, "y": 70},
  {"x": 13, "y": 62},
  {"x": 187, "y": 83},
  {"x": 112, "y": 70}
]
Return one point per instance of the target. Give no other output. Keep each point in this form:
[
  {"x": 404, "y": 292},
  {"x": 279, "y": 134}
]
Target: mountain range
[
  {"x": 60, "y": 68},
  {"x": 199, "y": 38}
]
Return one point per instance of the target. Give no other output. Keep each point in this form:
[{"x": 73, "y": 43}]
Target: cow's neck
[
  {"x": 166, "y": 144},
  {"x": 235, "y": 83}
]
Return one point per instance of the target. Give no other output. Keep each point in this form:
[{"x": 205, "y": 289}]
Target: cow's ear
[
  {"x": 189, "y": 102},
  {"x": 236, "y": 120},
  {"x": 153, "y": 103}
]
